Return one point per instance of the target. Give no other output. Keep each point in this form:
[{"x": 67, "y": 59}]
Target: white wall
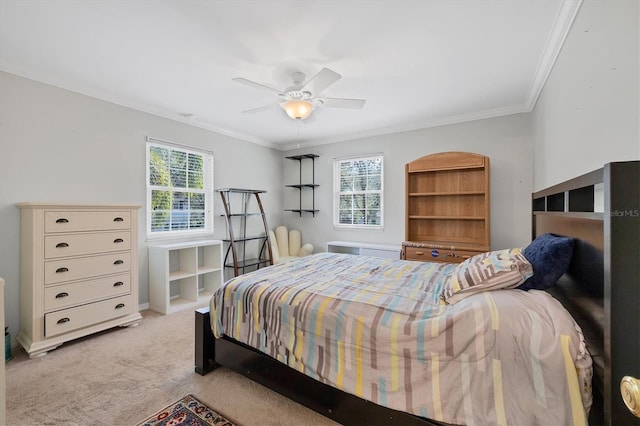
[
  {"x": 506, "y": 141},
  {"x": 59, "y": 146},
  {"x": 588, "y": 113}
]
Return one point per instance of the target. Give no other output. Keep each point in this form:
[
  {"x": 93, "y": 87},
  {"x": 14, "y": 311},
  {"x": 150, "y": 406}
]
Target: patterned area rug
[{"x": 186, "y": 411}]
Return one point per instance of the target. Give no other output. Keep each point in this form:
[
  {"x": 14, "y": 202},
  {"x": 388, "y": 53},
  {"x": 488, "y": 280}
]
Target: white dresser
[{"x": 78, "y": 272}]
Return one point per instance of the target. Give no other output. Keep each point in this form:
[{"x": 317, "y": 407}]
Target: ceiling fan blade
[
  {"x": 342, "y": 103},
  {"x": 262, "y": 108},
  {"x": 321, "y": 81},
  {"x": 258, "y": 85}
]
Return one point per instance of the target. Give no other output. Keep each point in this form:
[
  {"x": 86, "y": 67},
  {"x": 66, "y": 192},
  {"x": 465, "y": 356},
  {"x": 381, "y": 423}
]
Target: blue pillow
[{"x": 550, "y": 256}]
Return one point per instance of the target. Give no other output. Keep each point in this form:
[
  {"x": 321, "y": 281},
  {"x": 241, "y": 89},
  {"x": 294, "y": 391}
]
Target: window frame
[
  {"x": 207, "y": 191},
  {"x": 337, "y": 162}
]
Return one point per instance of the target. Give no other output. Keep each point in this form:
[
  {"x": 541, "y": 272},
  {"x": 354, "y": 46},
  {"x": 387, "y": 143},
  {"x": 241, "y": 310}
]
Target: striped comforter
[{"x": 377, "y": 328}]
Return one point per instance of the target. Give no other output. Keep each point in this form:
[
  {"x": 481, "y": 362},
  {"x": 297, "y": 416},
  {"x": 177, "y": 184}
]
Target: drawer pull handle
[
  {"x": 419, "y": 253},
  {"x": 120, "y": 306},
  {"x": 62, "y": 245},
  {"x": 62, "y": 220},
  {"x": 118, "y": 262},
  {"x": 61, "y": 295},
  {"x": 118, "y": 284},
  {"x": 63, "y": 320},
  {"x": 61, "y": 270},
  {"x": 118, "y": 219},
  {"x": 118, "y": 240}
]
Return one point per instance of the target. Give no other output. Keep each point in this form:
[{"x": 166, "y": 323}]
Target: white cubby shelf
[{"x": 184, "y": 275}]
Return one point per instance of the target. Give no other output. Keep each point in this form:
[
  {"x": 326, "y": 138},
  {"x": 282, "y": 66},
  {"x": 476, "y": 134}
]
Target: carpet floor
[{"x": 124, "y": 375}]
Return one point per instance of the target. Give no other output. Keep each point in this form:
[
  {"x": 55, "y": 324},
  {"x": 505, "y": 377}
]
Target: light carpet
[{"x": 121, "y": 376}]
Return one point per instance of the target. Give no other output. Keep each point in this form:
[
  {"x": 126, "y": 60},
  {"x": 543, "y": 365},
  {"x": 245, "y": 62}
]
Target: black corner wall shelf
[{"x": 301, "y": 186}]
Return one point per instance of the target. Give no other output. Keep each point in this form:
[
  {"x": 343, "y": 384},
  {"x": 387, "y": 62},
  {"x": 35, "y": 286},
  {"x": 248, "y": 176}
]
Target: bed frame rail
[{"x": 333, "y": 403}]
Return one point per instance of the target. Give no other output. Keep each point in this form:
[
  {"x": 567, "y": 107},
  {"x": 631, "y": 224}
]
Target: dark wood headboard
[{"x": 601, "y": 210}]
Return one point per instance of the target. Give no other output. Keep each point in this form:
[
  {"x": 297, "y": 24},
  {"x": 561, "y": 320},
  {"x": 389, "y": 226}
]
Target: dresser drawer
[
  {"x": 66, "y": 295},
  {"x": 59, "y": 271},
  {"x": 64, "y": 245},
  {"x": 428, "y": 254},
  {"x": 67, "y": 320},
  {"x": 72, "y": 221}
]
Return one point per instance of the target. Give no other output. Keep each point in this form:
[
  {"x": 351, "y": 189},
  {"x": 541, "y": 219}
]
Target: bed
[{"x": 352, "y": 396}]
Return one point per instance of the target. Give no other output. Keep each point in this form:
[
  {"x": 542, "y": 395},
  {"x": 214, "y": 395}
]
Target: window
[
  {"x": 179, "y": 191},
  {"x": 358, "y": 192}
]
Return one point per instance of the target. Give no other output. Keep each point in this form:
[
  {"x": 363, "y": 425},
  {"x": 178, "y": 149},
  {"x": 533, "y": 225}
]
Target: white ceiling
[{"x": 418, "y": 63}]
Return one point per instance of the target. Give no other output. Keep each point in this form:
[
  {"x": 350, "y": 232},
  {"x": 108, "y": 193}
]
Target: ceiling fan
[{"x": 301, "y": 98}]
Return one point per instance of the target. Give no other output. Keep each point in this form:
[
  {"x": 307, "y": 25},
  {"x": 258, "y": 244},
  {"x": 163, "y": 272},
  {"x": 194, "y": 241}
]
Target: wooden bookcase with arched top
[{"x": 447, "y": 207}]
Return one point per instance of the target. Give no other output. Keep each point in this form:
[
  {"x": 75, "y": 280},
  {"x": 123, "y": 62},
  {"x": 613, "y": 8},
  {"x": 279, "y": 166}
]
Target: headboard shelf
[
  {"x": 588, "y": 179},
  {"x": 581, "y": 194}
]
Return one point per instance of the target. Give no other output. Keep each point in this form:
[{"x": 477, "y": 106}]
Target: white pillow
[{"x": 487, "y": 271}]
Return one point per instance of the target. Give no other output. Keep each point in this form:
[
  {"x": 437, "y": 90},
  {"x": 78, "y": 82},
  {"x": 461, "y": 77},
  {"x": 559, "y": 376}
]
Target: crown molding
[
  {"x": 106, "y": 96},
  {"x": 562, "y": 25},
  {"x": 444, "y": 121}
]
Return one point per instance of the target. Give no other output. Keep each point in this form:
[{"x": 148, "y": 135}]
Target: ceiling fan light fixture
[
  {"x": 298, "y": 109},
  {"x": 301, "y": 99}
]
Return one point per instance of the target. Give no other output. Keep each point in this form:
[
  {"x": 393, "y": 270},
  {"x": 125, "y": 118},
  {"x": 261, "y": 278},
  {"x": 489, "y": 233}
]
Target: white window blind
[
  {"x": 179, "y": 190},
  {"x": 358, "y": 192}
]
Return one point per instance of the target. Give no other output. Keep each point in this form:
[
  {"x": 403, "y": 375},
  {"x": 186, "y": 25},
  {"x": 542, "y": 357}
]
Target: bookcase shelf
[{"x": 447, "y": 207}]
